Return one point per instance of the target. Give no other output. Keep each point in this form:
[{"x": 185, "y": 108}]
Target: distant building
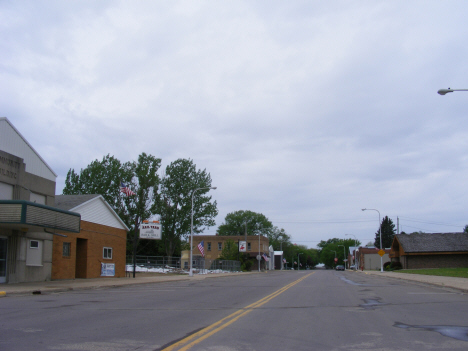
[
  {"x": 425, "y": 250},
  {"x": 369, "y": 259},
  {"x": 213, "y": 246},
  {"x": 99, "y": 249},
  {"x": 28, "y": 219}
]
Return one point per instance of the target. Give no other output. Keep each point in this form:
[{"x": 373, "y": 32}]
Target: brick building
[
  {"x": 213, "y": 246},
  {"x": 369, "y": 259},
  {"x": 425, "y": 250},
  {"x": 99, "y": 249}
]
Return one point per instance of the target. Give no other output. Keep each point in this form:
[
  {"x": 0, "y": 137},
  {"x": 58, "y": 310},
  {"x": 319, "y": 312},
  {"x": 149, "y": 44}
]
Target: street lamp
[
  {"x": 300, "y": 253},
  {"x": 191, "y": 230},
  {"x": 380, "y": 235},
  {"x": 344, "y": 255},
  {"x": 445, "y": 91},
  {"x": 355, "y": 243}
]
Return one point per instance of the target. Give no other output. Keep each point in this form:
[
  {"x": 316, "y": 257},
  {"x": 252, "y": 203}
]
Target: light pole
[
  {"x": 344, "y": 255},
  {"x": 355, "y": 251},
  {"x": 445, "y": 91},
  {"x": 191, "y": 230},
  {"x": 380, "y": 235},
  {"x": 300, "y": 253},
  {"x": 259, "y": 257}
]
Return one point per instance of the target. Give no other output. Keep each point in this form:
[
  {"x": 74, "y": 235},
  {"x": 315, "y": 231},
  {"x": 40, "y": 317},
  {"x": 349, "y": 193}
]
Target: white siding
[
  {"x": 97, "y": 211},
  {"x": 12, "y": 141}
]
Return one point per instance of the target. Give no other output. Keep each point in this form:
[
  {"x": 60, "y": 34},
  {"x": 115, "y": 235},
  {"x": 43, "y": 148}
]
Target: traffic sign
[
  {"x": 381, "y": 252},
  {"x": 336, "y": 260}
]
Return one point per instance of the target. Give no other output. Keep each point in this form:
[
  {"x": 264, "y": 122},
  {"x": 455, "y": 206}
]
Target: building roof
[
  {"x": 12, "y": 142},
  {"x": 67, "y": 202},
  {"x": 93, "y": 208},
  {"x": 433, "y": 242}
]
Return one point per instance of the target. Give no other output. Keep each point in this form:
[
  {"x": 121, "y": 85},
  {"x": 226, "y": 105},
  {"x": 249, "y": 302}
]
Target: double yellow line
[{"x": 189, "y": 341}]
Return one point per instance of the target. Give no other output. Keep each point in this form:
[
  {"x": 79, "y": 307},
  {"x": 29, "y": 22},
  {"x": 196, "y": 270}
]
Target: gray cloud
[{"x": 304, "y": 111}]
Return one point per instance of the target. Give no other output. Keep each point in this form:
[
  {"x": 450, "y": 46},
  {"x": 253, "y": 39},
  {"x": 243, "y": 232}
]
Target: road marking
[{"x": 189, "y": 341}]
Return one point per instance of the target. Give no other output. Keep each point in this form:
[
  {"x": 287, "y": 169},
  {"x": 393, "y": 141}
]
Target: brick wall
[
  {"x": 95, "y": 237},
  {"x": 435, "y": 261}
]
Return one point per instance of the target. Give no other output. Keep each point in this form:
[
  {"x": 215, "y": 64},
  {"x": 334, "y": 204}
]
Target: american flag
[
  {"x": 126, "y": 190},
  {"x": 265, "y": 257},
  {"x": 201, "y": 248}
]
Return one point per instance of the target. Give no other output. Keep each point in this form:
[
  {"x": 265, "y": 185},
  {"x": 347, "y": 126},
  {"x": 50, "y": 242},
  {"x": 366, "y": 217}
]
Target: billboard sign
[
  {"x": 242, "y": 246},
  {"x": 150, "y": 230}
]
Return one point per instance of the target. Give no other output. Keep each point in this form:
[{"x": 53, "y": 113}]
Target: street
[{"x": 277, "y": 310}]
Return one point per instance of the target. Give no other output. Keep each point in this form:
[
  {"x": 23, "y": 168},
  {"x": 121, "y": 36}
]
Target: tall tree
[
  {"x": 175, "y": 203},
  {"x": 388, "y": 232},
  {"x": 105, "y": 178},
  {"x": 240, "y": 222}
]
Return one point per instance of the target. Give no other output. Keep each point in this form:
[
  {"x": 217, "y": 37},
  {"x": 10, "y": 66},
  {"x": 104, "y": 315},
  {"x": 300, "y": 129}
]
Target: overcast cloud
[{"x": 305, "y": 111}]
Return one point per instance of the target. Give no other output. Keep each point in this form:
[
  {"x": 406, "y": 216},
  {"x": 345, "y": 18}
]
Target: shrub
[
  {"x": 386, "y": 265},
  {"x": 396, "y": 265}
]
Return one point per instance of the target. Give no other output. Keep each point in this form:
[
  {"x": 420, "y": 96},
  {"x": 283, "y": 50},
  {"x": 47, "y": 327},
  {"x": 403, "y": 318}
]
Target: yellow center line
[{"x": 203, "y": 334}]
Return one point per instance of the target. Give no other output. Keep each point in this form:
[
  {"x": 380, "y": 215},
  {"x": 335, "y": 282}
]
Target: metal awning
[{"x": 21, "y": 214}]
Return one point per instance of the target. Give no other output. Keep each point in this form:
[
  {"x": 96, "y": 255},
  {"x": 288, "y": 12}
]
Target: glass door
[{"x": 3, "y": 259}]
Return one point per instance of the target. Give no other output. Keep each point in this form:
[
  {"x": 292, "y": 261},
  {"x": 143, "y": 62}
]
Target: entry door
[
  {"x": 3, "y": 259},
  {"x": 81, "y": 258}
]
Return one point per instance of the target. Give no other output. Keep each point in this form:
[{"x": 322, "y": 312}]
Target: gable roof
[
  {"x": 14, "y": 143},
  {"x": 93, "y": 208},
  {"x": 433, "y": 242}
]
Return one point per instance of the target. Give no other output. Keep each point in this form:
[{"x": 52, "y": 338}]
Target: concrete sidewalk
[
  {"x": 47, "y": 287},
  {"x": 447, "y": 282}
]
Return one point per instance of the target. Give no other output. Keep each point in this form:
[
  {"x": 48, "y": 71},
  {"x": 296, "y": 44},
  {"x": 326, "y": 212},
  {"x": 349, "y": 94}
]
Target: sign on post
[
  {"x": 242, "y": 246},
  {"x": 150, "y": 230},
  {"x": 381, "y": 253}
]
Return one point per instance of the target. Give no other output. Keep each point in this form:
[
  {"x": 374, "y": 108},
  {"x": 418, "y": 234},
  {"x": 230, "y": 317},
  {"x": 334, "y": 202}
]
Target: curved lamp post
[
  {"x": 380, "y": 235},
  {"x": 191, "y": 230},
  {"x": 445, "y": 91}
]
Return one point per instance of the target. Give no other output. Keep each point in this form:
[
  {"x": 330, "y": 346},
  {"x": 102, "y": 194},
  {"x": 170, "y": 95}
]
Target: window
[
  {"x": 37, "y": 198},
  {"x": 249, "y": 246},
  {"x": 107, "y": 253},
  {"x": 220, "y": 246},
  {"x": 66, "y": 249},
  {"x": 33, "y": 244},
  {"x": 6, "y": 191},
  {"x": 209, "y": 246}
]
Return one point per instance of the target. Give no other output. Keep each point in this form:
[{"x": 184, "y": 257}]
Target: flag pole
[{"x": 135, "y": 245}]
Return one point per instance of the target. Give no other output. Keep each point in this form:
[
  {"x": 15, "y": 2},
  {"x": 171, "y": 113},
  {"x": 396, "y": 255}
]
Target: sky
[{"x": 304, "y": 111}]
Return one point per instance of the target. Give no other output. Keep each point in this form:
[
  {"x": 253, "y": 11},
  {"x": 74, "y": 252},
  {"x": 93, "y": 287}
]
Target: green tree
[
  {"x": 105, "y": 178},
  {"x": 334, "y": 248},
  {"x": 388, "y": 232},
  {"x": 230, "y": 251},
  {"x": 465, "y": 230},
  {"x": 278, "y": 238},
  {"x": 175, "y": 203},
  {"x": 240, "y": 222}
]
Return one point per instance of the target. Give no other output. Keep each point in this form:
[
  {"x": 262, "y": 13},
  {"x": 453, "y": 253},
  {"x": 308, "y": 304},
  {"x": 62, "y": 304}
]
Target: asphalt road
[{"x": 283, "y": 310}]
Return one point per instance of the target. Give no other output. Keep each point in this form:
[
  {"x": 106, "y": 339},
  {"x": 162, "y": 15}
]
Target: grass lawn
[{"x": 447, "y": 272}]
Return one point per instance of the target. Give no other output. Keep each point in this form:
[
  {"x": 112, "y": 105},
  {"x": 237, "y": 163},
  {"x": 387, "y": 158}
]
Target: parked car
[
  {"x": 339, "y": 268},
  {"x": 352, "y": 267}
]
